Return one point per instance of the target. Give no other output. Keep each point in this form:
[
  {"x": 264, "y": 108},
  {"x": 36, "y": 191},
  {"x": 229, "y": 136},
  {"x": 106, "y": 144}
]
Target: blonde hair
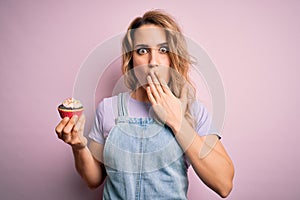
[{"x": 178, "y": 54}]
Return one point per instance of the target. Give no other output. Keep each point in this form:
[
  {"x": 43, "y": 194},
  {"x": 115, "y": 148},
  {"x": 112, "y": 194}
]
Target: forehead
[{"x": 150, "y": 35}]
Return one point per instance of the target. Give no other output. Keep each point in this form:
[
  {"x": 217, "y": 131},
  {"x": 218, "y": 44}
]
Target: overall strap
[{"x": 122, "y": 104}]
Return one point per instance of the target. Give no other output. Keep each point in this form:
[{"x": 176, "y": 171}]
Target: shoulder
[
  {"x": 203, "y": 119},
  {"x": 107, "y": 105},
  {"x": 106, "y": 111},
  {"x": 198, "y": 110}
]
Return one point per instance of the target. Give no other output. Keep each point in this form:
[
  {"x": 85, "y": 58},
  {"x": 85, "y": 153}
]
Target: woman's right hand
[{"x": 71, "y": 131}]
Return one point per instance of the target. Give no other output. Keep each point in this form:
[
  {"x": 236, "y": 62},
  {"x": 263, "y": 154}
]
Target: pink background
[{"x": 255, "y": 46}]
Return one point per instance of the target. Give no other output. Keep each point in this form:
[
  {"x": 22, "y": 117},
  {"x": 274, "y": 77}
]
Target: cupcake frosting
[{"x": 72, "y": 103}]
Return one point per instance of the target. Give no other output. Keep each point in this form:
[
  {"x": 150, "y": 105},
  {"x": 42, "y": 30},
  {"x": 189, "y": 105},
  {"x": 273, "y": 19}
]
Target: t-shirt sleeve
[
  {"x": 96, "y": 132},
  {"x": 204, "y": 124}
]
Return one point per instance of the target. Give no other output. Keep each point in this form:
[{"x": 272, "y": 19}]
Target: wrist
[
  {"x": 78, "y": 147},
  {"x": 81, "y": 143},
  {"x": 177, "y": 127},
  {"x": 184, "y": 134}
]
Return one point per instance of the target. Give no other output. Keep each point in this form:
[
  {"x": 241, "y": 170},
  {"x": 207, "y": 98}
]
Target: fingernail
[{"x": 66, "y": 118}]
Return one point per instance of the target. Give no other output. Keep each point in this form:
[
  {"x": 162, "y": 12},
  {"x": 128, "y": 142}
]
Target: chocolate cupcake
[{"x": 70, "y": 107}]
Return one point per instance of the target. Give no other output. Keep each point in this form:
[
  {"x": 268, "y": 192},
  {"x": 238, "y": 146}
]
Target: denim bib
[{"x": 142, "y": 159}]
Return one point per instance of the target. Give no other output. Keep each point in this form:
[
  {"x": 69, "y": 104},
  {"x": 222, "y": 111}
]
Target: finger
[
  {"x": 79, "y": 126},
  {"x": 157, "y": 83},
  {"x": 155, "y": 80},
  {"x": 61, "y": 126},
  {"x": 68, "y": 128},
  {"x": 163, "y": 83},
  {"x": 66, "y": 138},
  {"x": 77, "y": 140},
  {"x": 153, "y": 89},
  {"x": 150, "y": 96}
]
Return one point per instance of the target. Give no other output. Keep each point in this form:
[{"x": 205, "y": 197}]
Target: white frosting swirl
[{"x": 72, "y": 103}]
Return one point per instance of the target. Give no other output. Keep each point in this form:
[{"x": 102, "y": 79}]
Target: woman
[{"x": 159, "y": 129}]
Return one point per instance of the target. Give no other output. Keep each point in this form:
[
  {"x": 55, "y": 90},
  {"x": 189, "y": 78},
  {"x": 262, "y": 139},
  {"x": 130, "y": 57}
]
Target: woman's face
[{"x": 150, "y": 53}]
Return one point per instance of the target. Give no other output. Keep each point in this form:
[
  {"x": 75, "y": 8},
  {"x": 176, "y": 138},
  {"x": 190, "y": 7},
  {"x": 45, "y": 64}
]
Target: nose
[{"x": 153, "y": 60}]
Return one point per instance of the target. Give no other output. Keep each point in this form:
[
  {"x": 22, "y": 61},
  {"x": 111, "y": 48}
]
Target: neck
[{"x": 140, "y": 94}]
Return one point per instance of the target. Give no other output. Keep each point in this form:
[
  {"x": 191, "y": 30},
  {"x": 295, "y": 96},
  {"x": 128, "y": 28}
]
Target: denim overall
[{"x": 143, "y": 159}]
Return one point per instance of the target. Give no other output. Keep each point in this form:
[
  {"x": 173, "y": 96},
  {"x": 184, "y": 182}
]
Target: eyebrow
[{"x": 145, "y": 45}]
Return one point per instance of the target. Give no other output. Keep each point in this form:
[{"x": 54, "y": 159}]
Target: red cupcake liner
[{"x": 69, "y": 113}]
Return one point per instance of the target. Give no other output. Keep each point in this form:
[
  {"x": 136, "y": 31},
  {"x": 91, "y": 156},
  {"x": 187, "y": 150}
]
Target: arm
[
  {"x": 90, "y": 169},
  {"x": 208, "y": 158},
  {"x": 207, "y": 155}
]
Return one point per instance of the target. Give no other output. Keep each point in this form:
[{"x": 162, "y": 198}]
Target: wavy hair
[{"x": 178, "y": 54}]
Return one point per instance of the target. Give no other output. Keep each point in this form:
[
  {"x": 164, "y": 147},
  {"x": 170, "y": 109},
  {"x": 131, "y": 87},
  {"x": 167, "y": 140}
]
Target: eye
[
  {"x": 142, "y": 51},
  {"x": 163, "y": 50}
]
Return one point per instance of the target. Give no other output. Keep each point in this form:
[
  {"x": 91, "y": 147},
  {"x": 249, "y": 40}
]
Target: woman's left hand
[{"x": 168, "y": 108}]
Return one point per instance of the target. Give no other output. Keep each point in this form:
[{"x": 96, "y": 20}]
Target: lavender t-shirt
[{"x": 107, "y": 111}]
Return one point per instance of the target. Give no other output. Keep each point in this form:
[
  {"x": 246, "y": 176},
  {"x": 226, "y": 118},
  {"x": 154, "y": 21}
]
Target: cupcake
[{"x": 70, "y": 107}]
